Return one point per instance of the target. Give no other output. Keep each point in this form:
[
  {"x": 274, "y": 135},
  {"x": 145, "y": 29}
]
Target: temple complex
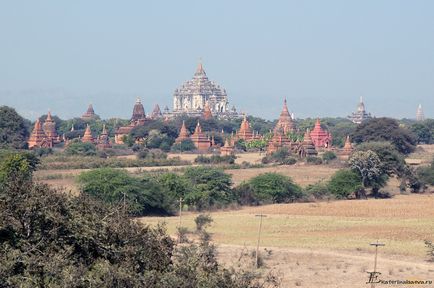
[
  {"x": 419, "y": 113},
  {"x": 348, "y": 147},
  {"x": 360, "y": 115},
  {"x": 156, "y": 113},
  {"x": 183, "y": 134},
  {"x": 285, "y": 123},
  {"x": 49, "y": 128},
  {"x": 103, "y": 141},
  {"x": 306, "y": 148},
  {"x": 38, "y": 139},
  {"x": 320, "y": 138},
  {"x": 89, "y": 114},
  {"x": 191, "y": 97},
  {"x": 87, "y": 137},
  {"x": 278, "y": 141},
  {"x": 200, "y": 140}
]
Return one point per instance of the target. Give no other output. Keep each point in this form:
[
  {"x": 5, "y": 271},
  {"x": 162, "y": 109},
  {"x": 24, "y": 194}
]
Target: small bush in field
[
  {"x": 314, "y": 160},
  {"x": 202, "y": 221}
]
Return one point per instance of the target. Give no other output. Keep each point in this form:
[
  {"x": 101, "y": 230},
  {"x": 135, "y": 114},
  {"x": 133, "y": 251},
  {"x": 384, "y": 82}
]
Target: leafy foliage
[
  {"x": 14, "y": 130},
  {"x": 81, "y": 149},
  {"x": 344, "y": 183},
  {"x": 274, "y": 188},
  {"x": 385, "y": 129},
  {"x": 215, "y": 159},
  {"x": 184, "y": 145}
]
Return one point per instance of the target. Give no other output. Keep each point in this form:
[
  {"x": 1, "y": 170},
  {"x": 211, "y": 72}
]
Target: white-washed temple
[{"x": 195, "y": 94}]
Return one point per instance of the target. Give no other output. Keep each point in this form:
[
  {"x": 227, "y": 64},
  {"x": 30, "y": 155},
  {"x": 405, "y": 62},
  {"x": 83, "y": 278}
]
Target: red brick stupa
[
  {"x": 278, "y": 141},
  {"x": 348, "y": 147},
  {"x": 38, "y": 138},
  {"x": 87, "y": 137},
  {"x": 50, "y": 129},
  {"x": 90, "y": 114},
  {"x": 284, "y": 123},
  {"x": 320, "y": 138},
  {"x": 200, "y": 140},
  {"x": 156, "y": 113},
  {"x": 228, "y": 148},
  {"x": 183, "y": 134},
  {"x": 246, "y": 132},
  {"x": 103, "y": 141},
  {"x": 307, "y": 148}
]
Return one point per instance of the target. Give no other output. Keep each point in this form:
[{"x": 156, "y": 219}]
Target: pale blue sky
[{"x": 321, "y": 55}]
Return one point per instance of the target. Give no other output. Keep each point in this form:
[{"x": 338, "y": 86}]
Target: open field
[
  {"x": 330, "y": 240},
  {"x": 301, "y": 174}
]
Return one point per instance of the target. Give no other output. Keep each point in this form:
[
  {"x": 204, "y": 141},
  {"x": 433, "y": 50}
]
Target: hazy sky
[{"x": 321, "y": 55}]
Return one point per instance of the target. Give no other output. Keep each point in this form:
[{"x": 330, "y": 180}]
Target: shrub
[
  {"x": 142, "y": 196},
  {"x": 202, "y": 221},
  {"x": 344, "y": 183},
  {"x": 80, "y": 149},
  {"x": 185, "y": 145},
  {"x": 274, "y": 188},
  {"x": 313, "y": 160},
  {"x": 215, "y": 159},
  {"x": 328, "y": 156},
  {"x": 318, "y": 191}
]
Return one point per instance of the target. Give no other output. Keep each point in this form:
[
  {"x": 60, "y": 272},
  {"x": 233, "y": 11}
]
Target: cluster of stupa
[{"x": 44, "y": 135}]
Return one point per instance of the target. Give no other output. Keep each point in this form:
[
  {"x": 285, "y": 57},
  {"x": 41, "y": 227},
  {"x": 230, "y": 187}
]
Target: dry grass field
[
  {"x": 301, "y": 174},
  {"x": 319, "y": 244}
]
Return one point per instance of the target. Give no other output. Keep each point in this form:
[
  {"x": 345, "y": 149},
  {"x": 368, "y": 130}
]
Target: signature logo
[{"x": 373, "y": 278}]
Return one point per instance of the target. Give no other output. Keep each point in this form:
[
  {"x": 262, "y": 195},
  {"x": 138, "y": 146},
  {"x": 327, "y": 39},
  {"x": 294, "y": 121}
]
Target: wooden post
[
  {"x": 180, "y": 211},
  {"x": 375, "y": 261},
  {"x": 259, "y": 238}
]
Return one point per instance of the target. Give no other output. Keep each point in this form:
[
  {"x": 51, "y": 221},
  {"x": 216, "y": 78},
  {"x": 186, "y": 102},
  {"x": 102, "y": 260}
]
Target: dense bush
[
  {"x": 385, "y": 129},
  {"x": 183, "y": 146},
  {"x": 328, "y": 156},
  {"x": 282, "y": 156},
  {"x": 272, "y": 188},
  {"x": 313, "y": 160},
  {"x": 142, "y": 196},
  {"x": 80, "y": 149},
  {"x": 14, "y": 129},
  {"x": 215, "y": 159},
  {"x": 318, "y": 191},
  {"x": 344, "y": 183},
  {"x": 426, "y": 174}
]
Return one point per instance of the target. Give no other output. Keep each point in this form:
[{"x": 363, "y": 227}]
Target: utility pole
[
  {"x": 259, "y": 238},
  {"x": 375, "y": 261},
  {"x": 180, "y": 211}
]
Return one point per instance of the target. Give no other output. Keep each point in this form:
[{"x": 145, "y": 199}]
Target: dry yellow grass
[
  {"x": 301, "y": 174},
  {"x": 327, "y": 244}
]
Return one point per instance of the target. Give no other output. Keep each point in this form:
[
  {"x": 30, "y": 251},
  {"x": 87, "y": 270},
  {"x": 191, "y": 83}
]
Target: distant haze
[{"x": 321, "y": 55}]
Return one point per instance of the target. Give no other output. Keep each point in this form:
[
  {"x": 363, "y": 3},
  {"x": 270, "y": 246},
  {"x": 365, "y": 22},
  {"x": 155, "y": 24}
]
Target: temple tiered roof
[
  {"x": 348, "y": 147},
  {"x": 360, "y": 115},
  {"x": 49, "y": 127},
  {"x": 87, "y": 137},
  {"x": 89, "y": 114},
  {"x": 246, "y": 133},
  {"x": 285, "y": 123},
  {"x": 307, "y": 148},
  {"x": 156, "y": 113},
  {"x": 103, "y": 141},
  {"x": 200, "y": 140},
  {"x": 183, "y": 134},
  {"x": 419, "y": 113},
  {"x": 138, "y": 111},
  {"x": 38, "y": 137},
  {"x": 320, "y": 138}
]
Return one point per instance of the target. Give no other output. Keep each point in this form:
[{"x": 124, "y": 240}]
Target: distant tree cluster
[{"x": 14, "y": 129}]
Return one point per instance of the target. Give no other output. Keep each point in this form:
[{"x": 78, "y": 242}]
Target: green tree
[
  {"x": 344, "y": 183},
  {"x": 385, "y": 129},
  {"x": 424, "y": 131},
  {"x": 274, "y": 188},
  {"x": 185, "y": 145},
  {"x": 14, "y": 130},
  {"x": 368, "y": 165},
  {"x": 142, "y": 196}
]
